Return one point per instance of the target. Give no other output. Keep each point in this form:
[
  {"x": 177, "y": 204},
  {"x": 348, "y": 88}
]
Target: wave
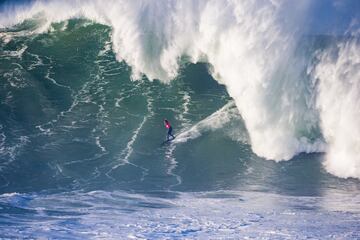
[
  {"x": 338, "y": 100},
  {"x": 251, "y": 48},
  {"x": 217, "y": 120},
  {"x": 194, "y": 215}
]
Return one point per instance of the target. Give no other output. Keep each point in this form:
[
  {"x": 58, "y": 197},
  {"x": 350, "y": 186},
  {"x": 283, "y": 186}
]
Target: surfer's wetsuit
[{"x": 168, "y": 126}]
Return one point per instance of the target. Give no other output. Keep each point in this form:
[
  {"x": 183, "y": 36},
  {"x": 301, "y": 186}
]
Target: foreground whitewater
[{"x": 217, "y": 215}]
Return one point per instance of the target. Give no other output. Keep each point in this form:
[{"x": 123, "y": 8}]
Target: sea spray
[
  {"x": 251, "y": 53},
  {"x": 338, "y": 100}
]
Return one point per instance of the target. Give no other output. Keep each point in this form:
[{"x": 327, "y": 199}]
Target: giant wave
[{"x": 283, "y": 95}]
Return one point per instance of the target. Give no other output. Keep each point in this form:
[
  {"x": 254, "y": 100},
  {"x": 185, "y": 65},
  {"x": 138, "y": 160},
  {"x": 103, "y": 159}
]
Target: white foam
[
  {"x": 182, "y": 116},
  {"x": 98, "y": 143},
  {"x": 9, "y": 194},
  {"x": 215, "y": 121},
  {"x": 126, "y": 153},
  {"x": 124, "y": 156},
  {"x": 338, "y": 100},
  {"x": 10, "y": 150},
  {"x": 169, "y": 156},
  {"x": 17, "y": 53},
  {"x": 38, "y": 61},
  {"x": 48, "y": 76},
  {"x": 195, "y": 215}
]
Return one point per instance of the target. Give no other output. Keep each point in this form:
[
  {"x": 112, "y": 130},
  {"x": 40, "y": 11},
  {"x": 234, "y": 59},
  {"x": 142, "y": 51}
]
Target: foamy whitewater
[{"x": 85, "y": 86}]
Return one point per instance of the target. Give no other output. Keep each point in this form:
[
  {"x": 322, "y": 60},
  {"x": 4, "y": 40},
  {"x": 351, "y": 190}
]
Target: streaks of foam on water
[
  {"x": 169, "y": 156},
  {"x": 10, "y": 150},
  {"x": 185, "y": 122},
  {"x": 48, "y": 76},
  {"x": 38, "y": 61},
  {"x": 126, "y": 153},
  {"x": 15, "y": 76},
  {"x": 16, "y": 53},
  {"x": 124, "y": 156},
  {"x": 169, "y": 153},
  {"x": 98, "y": 143}
]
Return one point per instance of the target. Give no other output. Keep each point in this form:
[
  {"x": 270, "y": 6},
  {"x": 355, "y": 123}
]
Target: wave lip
[{"x": 197, "y": 215}]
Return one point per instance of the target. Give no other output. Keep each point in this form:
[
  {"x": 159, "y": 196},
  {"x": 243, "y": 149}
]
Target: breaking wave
[{"x": 293, "y": 97}]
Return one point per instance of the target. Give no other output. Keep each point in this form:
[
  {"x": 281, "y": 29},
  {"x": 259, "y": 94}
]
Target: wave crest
[{"x": 250, "y": 46}]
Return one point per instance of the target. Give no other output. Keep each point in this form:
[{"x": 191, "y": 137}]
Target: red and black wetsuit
[{"x": 169, "y": 133}]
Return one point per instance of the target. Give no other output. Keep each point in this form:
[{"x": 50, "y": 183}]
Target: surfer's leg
[{"x": 170, "y": 133}]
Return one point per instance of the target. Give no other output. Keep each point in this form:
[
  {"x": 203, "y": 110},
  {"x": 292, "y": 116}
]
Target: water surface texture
[{"x": 265, "y": 107}]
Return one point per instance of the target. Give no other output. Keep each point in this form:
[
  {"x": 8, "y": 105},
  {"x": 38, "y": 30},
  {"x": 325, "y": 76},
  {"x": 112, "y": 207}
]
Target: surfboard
[{"x": 166, "y": 141}]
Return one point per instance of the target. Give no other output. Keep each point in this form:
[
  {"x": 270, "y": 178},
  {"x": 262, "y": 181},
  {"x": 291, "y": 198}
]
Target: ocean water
[{"x": 266, "y": 121}]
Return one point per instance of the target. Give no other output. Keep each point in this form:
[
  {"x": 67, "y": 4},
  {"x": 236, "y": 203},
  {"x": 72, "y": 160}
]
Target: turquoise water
[{"x": 81, "y": 153}]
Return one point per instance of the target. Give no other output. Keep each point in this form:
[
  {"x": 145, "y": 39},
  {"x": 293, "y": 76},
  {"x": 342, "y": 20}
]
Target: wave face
[{"x": 257, "y": 53}]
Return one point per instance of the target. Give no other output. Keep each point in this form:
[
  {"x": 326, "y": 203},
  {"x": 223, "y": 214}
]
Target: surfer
[{"x": 168, "y": 126}]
